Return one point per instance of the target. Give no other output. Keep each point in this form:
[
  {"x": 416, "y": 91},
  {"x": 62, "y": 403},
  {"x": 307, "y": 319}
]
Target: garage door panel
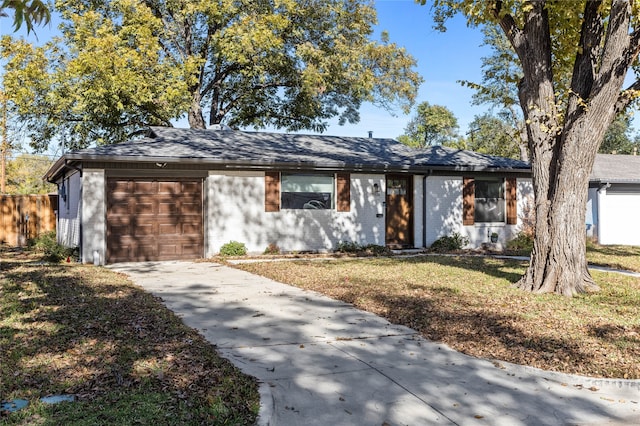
[
  {"x": 190, "y": 208},
  {"x": 145, "y": 208},
  {"x": 118, "y": 186},
  {"x": 190, "y": 249},
  {"x": 120, "y": 208},
  {"x": 145, "y": 219},
  {"x": 168, "y": 208},
  {"x": 145, "y": 229},
  {"x": 191, "y": 229},
  {"x": 190, "y": 187},
  {"x": 169, "y": 188},
  {"x": 145, "y": 187},
  {"x": 169, "y": 229}
]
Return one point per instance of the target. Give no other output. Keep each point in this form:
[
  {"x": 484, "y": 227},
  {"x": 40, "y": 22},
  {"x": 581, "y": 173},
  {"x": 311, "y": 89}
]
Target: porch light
[{"x": 376, "y": 189}]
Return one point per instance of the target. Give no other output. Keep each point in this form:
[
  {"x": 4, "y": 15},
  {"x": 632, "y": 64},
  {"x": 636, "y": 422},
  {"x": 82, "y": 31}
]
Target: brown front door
[
  {"x": 154, "y": 219},
  {"x": 399, "y": 214}
]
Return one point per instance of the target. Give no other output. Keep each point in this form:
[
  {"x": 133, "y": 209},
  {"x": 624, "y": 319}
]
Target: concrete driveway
[{"x": 323, "y": 362}]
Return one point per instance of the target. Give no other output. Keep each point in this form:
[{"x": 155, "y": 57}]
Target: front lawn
[
  {"x": 621, "y": 257},
  {"x": 470, "y": 304},
  {"x": 88, "y": 332}
]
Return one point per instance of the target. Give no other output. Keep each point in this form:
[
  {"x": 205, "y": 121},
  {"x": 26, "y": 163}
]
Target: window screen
[{"x": 489, "y": 200}]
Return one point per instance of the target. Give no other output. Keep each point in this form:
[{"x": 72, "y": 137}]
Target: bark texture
[{"x": 564, "y": 139}]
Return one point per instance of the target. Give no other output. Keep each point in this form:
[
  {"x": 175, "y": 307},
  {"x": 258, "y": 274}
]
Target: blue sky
[{"x": 443, "y": 59}]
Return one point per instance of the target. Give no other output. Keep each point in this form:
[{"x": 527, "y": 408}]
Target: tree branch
[
  {"x": 509, "y": 27},
  {"x": 586, "y": 59},
  {"x": 627, "y": 96}
]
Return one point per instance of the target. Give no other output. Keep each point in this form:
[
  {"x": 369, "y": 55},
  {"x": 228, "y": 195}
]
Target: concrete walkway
[{"x": 323, "y": 362}]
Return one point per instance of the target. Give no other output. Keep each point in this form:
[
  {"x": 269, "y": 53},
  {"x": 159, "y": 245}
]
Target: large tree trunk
[
  {"x": 563, "y": 150},
  {"x": 195, "y": 116},
  {"x": 558, "y": 261}
]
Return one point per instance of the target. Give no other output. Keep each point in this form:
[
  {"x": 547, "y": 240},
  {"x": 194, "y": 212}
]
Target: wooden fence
[{"x": 23, "y": 217}]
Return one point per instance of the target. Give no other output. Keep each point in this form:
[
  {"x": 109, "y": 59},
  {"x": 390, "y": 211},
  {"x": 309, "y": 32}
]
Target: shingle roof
[
  {"x": 616, "y": 169},
  {"x": 260, "y": 149}
]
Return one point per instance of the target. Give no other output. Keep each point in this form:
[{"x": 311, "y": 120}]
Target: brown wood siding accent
[
  {"x": 343, "y": 183},
  {"x": 468, "y": 201},
  {"x": 271, "y": 191},
  {"x": 512, "y": 201},
  {"x": 154, "y": 219},
  {"x": 23, "y": 217}
]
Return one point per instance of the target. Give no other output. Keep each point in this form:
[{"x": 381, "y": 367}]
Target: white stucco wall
[
  {"x": 68, "y": 228},
  {"x": 235, "y": 211},
  {"x": 93, "y": 215},
  {"x": 616, "y": 210},
  {"x": 444, "y": 213},
  {"x": 418, "y": 210}
]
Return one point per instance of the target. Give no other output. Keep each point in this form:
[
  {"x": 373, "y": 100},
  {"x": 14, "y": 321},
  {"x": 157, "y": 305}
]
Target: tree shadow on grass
[
  {"x": 498, "y": 268},
  {"x": 89, "y": 332}
]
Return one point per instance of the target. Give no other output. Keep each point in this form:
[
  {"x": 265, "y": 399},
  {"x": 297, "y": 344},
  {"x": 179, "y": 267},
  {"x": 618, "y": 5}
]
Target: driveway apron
[{"x": 322, "y": 362}]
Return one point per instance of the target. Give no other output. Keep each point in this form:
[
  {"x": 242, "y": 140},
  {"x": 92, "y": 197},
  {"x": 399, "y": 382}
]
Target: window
[
  {"x": 307, "y": 191},
  {"x": 396, "y": 186},
  {"x": 489, "y": 200}
]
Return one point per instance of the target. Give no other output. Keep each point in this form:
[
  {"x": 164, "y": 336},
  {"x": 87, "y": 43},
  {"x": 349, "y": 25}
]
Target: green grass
[
  {"x": 87, "y": 331},
  {"x": 622, "y": 257},
  {"x": 470, "y": 304}
]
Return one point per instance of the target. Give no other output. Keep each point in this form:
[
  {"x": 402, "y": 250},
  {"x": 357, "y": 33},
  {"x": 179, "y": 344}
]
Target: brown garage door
[{"x": 154, "y": 219}]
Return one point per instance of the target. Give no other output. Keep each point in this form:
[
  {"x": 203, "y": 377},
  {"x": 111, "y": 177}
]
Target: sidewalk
[{"x": 323, "y": 362}]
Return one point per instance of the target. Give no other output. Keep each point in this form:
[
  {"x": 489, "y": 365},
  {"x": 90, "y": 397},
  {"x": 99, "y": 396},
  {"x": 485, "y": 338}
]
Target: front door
[{"x": 399, "y": 212}]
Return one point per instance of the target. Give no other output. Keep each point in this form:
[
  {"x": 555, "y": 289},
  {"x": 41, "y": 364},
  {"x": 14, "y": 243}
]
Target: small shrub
[
  {"x": 349, "y": 247},
  {"x": 522, "y": 243},
  {"x": 377, "y": 250},
  {"x": 451, "y": 242},
  {"x": 353, "y": 247},
  {"x": 272, "y": 249},
  {"x": 47, "y": 244},
  {"x": 233, "y": 248}
]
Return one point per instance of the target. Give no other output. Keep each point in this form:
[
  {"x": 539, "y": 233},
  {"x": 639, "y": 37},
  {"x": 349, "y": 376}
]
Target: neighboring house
[
  {"x": 614, "y": 200},
  {"x": 182, "y": 193}
]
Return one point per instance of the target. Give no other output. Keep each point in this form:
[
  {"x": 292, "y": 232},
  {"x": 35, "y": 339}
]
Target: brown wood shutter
[
  {"x": 343, "y": 184},
  {"x": 512, "y": 201},
  {"x": 271, "y": 191},
  {"x": 468, "y": 201}
]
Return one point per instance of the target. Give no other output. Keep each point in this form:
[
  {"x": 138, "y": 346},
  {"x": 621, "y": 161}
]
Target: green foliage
[
  {"x": 617, "y": 139},
  {"x": 503, "y": 133},
  {"x": 123, "y": 65},
  {"x": 492, "y": 135},
  {"x": 233, "y": 248},
  {"x": 348, "y": 247},
  {"x": 272, "y": 249},
  {"x": 353, "y": 247},
  {"x": 522, "y": 243},
  {"x": 24, "y": 175},
  {"x": 47, "y": 244},
  {"x": 27, "y": 12},
  {"x": 431, "y": 125},
  {"x": 448, "y": 243}
]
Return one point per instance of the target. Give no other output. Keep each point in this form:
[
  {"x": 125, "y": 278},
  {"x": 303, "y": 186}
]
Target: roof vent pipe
[{"x": 370, "y": 134}]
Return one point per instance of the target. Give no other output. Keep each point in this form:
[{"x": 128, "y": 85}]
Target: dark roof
[
  {"x": 236, "y": 149},
  {"x": 611, "y": 168}
]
